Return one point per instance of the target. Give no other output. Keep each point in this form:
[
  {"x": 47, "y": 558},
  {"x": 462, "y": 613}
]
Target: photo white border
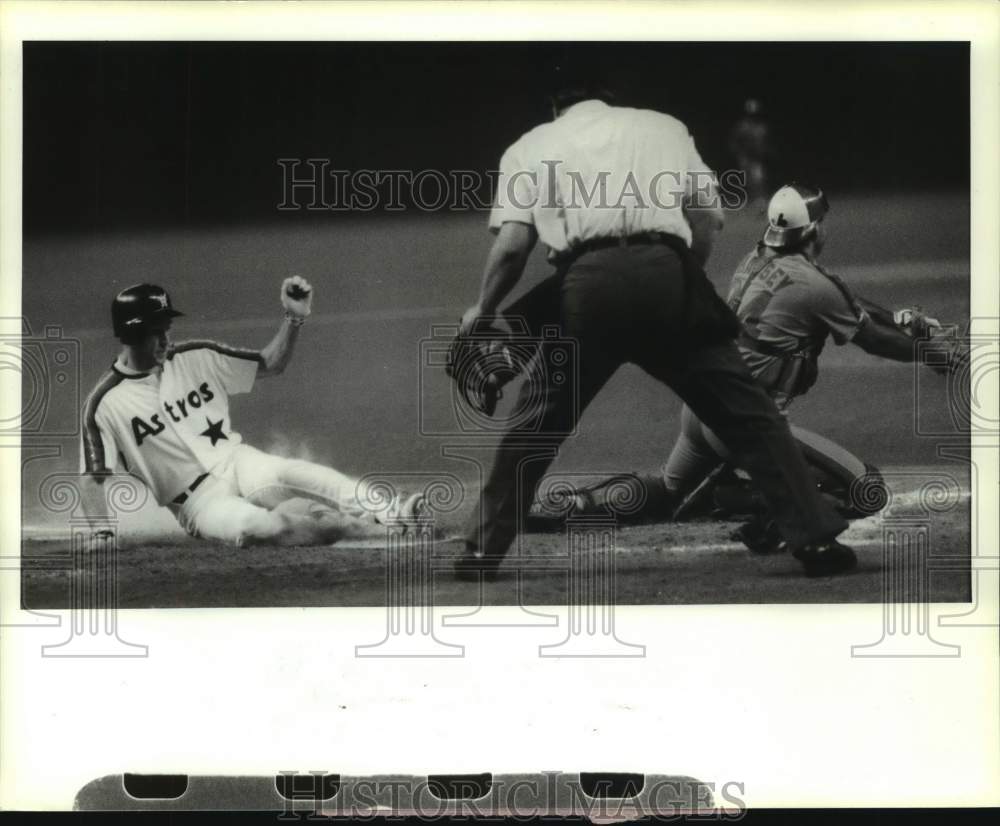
[{"x": 764, "y": 695}]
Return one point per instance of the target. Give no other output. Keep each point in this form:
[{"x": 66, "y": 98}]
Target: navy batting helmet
[
  {"x": 135, "y": 307},
  {"x": 793, "y": 213}
]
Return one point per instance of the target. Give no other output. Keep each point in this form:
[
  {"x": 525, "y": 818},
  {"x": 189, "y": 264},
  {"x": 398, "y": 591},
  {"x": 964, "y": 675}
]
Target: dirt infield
[
  {"x": 359, "y": 395},
  {"x": 654, "y": 564}
]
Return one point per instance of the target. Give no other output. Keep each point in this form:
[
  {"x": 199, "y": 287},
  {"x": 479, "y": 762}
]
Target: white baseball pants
[{"x": 253, "y": 496}]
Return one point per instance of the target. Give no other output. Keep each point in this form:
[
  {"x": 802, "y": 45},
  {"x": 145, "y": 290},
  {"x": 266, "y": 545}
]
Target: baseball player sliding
[{"x": 162, "y": 413}]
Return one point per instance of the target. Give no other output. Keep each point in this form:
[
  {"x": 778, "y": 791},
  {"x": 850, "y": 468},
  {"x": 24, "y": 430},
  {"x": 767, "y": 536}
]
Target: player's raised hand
[{"x": 296, "y": 297}]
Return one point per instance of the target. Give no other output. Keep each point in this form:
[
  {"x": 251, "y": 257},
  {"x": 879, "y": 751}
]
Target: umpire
[{"x": 629, "y": 212}]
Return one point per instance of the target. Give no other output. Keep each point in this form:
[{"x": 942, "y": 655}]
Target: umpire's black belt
[
  {"x": 765, "y": 348},
  {"x": 181, "y": 498},
  {"x": 623, "y": 242}
]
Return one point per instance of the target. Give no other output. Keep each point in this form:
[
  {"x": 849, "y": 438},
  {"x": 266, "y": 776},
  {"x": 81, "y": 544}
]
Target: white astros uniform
[{"x": 171, "y": 429}]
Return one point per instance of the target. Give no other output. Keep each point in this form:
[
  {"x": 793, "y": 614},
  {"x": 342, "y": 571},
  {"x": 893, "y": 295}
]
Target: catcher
[{"x": 788, "y": 305}]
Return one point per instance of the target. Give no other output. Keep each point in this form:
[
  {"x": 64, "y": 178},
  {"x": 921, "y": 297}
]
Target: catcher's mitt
[
  {"x": 481, "y": 362},
  {"x": 942, "y": 348},
  {"x": 915, "y": 323}
]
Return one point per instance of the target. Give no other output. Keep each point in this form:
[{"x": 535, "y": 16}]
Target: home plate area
[{"x": 926, "y": 523}]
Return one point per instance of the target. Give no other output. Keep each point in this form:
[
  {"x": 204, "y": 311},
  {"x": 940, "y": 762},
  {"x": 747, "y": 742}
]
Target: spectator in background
[{"x": 749, "y": 143}]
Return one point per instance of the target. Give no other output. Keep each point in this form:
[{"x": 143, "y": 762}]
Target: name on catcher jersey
[
  {"x": 791, "y": 302},
  {"x": 169, "y": 426}
]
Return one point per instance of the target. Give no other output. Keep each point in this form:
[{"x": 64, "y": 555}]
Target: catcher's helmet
[
  {"x": 793, "y": 214},
  {"x": 135, "y": 307}
]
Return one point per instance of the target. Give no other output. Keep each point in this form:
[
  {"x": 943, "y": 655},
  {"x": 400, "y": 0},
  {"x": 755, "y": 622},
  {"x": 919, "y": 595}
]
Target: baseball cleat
[
  {"x": 413, "y": 508},
  {"x": 826, "y": 559},
  {"x": 760, "y": 537}
]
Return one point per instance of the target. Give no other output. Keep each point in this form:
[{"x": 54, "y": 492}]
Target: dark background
[{"x": 129, "y": 134}]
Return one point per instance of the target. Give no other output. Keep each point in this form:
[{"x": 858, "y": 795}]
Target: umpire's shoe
[
  {"x": 473, "y": 564},
  {"x": 760, "y": 536},
  {"x": 826, "y": 559}
]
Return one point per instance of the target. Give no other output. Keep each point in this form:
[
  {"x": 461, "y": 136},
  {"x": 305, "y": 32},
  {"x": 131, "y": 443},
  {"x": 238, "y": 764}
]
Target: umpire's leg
[
  {"x": 524, "y": 455},
  {"x": 538, "y": 307},
  {"x": 717, "y": 386}
]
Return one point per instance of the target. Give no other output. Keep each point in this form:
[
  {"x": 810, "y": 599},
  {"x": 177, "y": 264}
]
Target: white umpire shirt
[
  {"x": 601, "y": 171},
  {"x": 170, "y": 425}
]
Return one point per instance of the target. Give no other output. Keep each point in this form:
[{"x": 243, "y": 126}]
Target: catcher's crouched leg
[
  {"x": 855, "y": 497},
  {"x": 630, "y": 498},
  {"x": 866, "y": 495}
]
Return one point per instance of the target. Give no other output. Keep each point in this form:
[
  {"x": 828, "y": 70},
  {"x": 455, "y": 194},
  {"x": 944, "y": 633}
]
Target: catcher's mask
[
  {"x": 793, "y": 214},
  {"x": 136, "y": 308}
]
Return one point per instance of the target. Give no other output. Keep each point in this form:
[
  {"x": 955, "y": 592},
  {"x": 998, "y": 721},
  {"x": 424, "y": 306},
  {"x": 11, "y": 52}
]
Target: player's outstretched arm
[
  {"x": 894, "y": 334},
  {"x": 296, "y": 298},
  {"x": 950, "y": 351},
  {"x": 885, "y": 340}
]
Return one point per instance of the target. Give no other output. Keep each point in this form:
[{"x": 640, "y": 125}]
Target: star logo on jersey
[{"x": 214, "y": 431}]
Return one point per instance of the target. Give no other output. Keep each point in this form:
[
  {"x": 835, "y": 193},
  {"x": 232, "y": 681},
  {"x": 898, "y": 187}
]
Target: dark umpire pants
[{"x": 649, "y": 304}]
